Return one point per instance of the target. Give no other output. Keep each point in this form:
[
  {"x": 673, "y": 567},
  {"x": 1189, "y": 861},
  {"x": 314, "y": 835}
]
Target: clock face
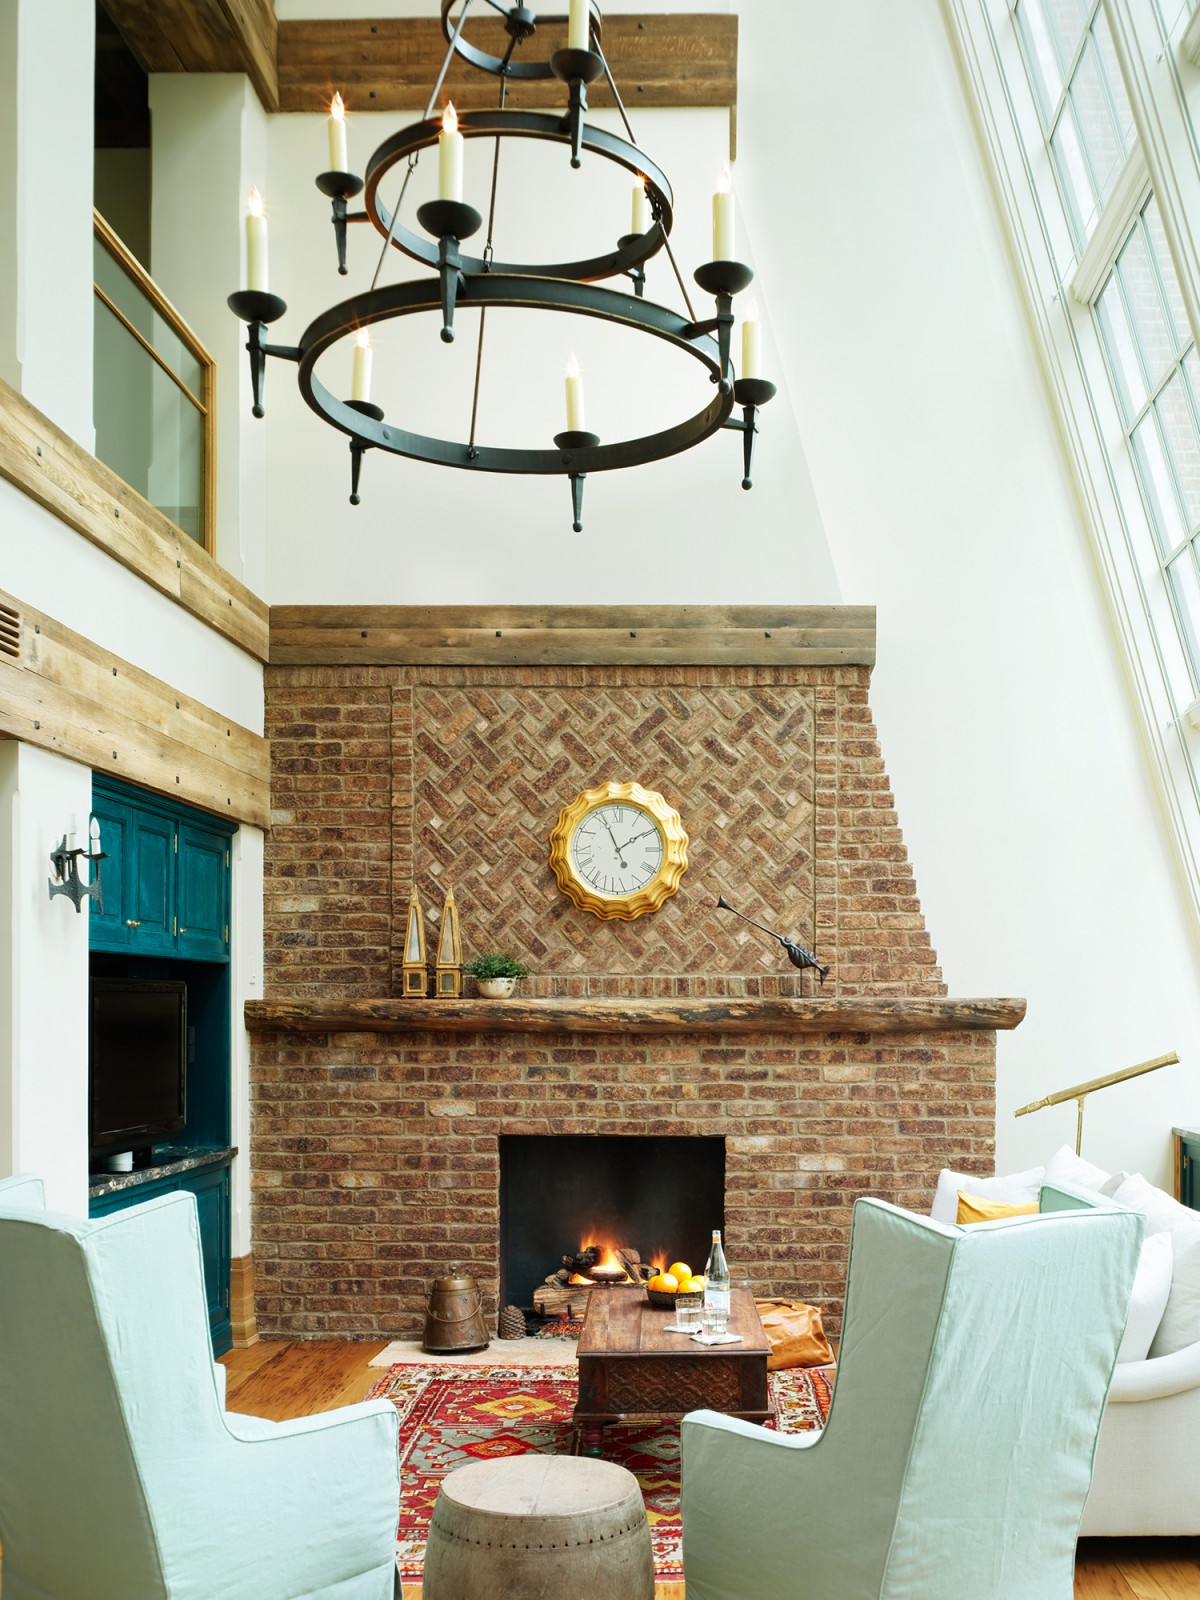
[{"x": 618, "y": 850}]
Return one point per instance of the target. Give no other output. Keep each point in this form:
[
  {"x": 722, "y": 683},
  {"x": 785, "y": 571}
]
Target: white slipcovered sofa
[{"x": 1145, "y": 1479}]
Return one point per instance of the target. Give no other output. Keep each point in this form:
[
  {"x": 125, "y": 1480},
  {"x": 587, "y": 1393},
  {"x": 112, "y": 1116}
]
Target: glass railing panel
[{"x": 153, "y": 383}]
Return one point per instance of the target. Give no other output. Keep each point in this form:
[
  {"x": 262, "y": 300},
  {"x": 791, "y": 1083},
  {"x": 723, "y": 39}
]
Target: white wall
[
  {"x": 43, "y": 978},
  {"x": 1003, "y": 713}
]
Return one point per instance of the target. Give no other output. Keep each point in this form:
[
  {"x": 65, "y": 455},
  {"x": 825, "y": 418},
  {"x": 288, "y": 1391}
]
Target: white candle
[
  {"x": 339, "y": 160},
  {"x": 751, "y": 343},
  {"x": 256, "y": 243},
  {"x": 575, "y": 422},
  {"x": 72, "y": 831},
  {"x": 578, "y": 28},
  {"x": 641, "y": 208},
  {"x": 450, "y": 157},
  {"x": 723, "y": 218},
  {"x": 95, "y": 834},
  {"x": 360, "y": 388}
]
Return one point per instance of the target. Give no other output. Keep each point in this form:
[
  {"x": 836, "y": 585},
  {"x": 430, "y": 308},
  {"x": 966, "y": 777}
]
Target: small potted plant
[{"x": 496, "y": 974}]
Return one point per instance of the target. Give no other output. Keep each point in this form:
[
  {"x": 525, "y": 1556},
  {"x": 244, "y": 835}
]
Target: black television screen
[{"x": 138, "y": 1062}]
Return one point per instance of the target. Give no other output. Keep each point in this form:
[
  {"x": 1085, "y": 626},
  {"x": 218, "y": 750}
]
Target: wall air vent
[{"x": 10, "y": 632}]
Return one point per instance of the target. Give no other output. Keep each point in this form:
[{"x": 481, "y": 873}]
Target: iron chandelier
[{"x": 481, "y": 282}]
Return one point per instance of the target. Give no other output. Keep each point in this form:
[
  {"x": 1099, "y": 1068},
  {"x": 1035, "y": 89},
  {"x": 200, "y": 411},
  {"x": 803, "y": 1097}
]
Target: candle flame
[
  {"x": 573, "y": 368},
  {"x": 337, "y": 107},
  {"x": 363, "y": 339},
  {"x": 641, "y": 178},
  {"x": 724, "y": 180},
  {"x": 450, "y": 118},
  {"x": 254, "y": 203}
]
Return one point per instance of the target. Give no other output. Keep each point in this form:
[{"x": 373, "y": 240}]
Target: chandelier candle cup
[
  {"x": 723, "y": 234},
  {"x": 339, "y": 159},
  {"x": 450, "y": 157},
  {"x": 256, "y": 244}
]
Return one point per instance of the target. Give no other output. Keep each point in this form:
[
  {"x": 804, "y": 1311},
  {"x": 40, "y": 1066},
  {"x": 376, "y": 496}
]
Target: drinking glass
[{"x": 689, "y": 1312}]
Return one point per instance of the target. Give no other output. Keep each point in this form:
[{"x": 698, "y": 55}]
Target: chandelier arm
[
  {"x": 526, "y": 71},
  {"x": 417, "y": 295},
  {"x": 419, "y": 136}
]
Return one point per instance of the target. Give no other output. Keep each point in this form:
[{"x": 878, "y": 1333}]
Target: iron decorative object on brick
[
  {"x": 66, "y": 861},
  {"x": 483, "y": 283},
  {"x": 797, "y": 954}
]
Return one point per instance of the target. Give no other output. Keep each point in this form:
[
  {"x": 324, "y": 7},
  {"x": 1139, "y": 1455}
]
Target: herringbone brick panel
[{"x": 493, "y": 765}]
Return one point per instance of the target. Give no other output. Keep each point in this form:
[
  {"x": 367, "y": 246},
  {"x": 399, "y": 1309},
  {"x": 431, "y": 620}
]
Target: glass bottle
[{"x": 716, "y": 1288}]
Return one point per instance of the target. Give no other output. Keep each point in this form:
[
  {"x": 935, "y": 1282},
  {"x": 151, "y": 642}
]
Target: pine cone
[{"x": 512, "y": 1323}]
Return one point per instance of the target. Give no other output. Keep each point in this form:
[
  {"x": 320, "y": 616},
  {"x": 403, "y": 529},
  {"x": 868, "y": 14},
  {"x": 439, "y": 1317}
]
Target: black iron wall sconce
[{"x": 66, "y": 862}]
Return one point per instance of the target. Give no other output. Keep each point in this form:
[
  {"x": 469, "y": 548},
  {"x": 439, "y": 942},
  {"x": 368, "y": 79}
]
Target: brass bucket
[{"x": 454, "y": 1316}]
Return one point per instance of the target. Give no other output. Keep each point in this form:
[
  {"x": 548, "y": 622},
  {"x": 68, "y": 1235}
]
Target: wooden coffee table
[{"x": 629, "y": 1366}]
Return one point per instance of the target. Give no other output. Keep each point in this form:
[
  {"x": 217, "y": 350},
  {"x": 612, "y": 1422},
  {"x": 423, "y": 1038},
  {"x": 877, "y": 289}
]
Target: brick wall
[
  {"x": 374, "y": 1156},
  {"x": 376, "y": 1160},
  {"x": 385, "y": 776}
]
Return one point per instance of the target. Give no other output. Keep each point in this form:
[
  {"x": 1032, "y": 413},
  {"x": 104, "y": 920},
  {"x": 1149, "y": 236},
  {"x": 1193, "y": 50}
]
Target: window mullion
[{"x": 1166, "y": 135}]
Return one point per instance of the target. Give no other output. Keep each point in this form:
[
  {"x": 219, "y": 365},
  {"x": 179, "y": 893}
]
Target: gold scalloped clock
[{"x": 618, "y": 851}]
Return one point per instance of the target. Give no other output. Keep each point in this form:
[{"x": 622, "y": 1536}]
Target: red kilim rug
[{"x": 451, "y": 1416}]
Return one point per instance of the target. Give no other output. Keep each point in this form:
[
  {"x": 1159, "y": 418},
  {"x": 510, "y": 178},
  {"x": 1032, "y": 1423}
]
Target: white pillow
[
  {"x": 1064, "y": 1166},
  {"x": 1148, "y": 1301},
  {"x": 1014, "y": 1189},
  {"x": 1180, "y": 1325},
  {"x": 1110, "y": 1185}
]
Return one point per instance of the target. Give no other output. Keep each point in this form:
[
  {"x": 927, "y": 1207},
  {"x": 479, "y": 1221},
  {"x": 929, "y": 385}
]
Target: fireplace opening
[{"x": 639, "y": 1200}]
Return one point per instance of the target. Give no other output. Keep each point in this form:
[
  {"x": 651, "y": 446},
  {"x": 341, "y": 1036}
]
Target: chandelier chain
[
  {"x": 488, "y": 251},
  {"x": 415, "y": 157},
  {"x": 616, "y": 94}
]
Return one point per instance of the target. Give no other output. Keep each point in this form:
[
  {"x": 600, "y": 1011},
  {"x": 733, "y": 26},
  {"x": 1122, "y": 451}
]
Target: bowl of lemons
[{"x": 664, "y": 1288}]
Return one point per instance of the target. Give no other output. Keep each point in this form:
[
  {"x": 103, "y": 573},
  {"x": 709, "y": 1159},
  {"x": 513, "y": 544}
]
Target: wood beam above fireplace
[
  {"x": 592, "y": 636},
  {"x": 857, "y": 1015}
]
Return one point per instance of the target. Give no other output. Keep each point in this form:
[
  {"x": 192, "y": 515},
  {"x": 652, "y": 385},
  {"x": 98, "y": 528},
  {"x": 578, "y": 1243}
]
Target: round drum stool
[{"x": 531, "y": 1526}]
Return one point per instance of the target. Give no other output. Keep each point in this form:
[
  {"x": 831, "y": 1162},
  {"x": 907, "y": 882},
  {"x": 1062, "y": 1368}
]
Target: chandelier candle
[
  {"x": 256, "y": 243},
  {"x": 360, "y": 387},
  {"x": 450, "y": 157},
  {"x": 575, "y": 423},
  {"x": 751, "y": 343},
  {"x": 578, "y": 33},
  {"x": 723, "y": 217},
  {"x": 339, "y": 160},
  {"x": 641, "y": 208}
]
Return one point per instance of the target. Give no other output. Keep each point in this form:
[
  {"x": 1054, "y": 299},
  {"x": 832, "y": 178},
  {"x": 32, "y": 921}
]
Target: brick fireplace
[{"x": 377, "y": 1120}]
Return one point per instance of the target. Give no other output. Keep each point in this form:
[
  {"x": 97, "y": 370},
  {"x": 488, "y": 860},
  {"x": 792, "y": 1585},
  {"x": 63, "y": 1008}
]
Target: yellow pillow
[{"x": 972, "y": 1208}]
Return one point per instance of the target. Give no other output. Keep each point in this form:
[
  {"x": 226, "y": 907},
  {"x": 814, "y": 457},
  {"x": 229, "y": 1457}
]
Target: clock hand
[
  {"x": 636, "y": 837},
  {"x": 615, "y": 845}
]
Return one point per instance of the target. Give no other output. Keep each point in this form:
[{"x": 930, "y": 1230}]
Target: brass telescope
[{"x": 1080, "y": 1091}]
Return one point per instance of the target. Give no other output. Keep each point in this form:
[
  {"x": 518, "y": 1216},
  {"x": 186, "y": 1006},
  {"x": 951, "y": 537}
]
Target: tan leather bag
[{"x": 795, "y": 1335}]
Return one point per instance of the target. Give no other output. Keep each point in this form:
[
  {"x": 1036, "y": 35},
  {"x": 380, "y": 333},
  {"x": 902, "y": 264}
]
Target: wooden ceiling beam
[
  {"x": 203, "y": 36},
  {"x": 382, "y": 64}
]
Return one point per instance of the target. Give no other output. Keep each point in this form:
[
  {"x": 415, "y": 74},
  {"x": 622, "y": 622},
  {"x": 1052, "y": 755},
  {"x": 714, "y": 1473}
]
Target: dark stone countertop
[{"x": 177, "y": 1160}]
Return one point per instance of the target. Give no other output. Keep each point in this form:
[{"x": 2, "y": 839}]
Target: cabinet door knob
[
  {"x": 183, "y": 930},
  {"x": 131, "y": 923}
]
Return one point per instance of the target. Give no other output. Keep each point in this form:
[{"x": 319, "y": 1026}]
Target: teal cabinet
[
  {"x": 203, "y": 886},
  {"x": 1187, "y": 1166},
  {"x": 167, "y": 878},
  {"x": 210, "y": 1185}
]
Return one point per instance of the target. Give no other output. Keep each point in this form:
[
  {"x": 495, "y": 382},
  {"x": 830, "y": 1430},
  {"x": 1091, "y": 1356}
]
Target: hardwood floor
[{"x": 296, "y": 1378}]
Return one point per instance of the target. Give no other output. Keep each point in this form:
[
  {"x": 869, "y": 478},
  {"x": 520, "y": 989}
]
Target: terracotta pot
[{"x": 496, "y": 988}]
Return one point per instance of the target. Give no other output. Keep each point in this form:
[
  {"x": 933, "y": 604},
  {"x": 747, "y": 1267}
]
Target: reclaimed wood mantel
[{"x": 859, "y": 1014}]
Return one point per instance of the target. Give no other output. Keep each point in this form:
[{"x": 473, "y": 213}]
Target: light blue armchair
[
  {"x": 974, "y": 1367},
  {"x": 121, "y": 1476}
]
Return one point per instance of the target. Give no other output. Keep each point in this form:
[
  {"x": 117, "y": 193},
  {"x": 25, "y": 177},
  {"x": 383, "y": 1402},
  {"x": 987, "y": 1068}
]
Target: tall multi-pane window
[
  {"x": 1086, "y": 117},
  {"x": 1087, "y": 111}
]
